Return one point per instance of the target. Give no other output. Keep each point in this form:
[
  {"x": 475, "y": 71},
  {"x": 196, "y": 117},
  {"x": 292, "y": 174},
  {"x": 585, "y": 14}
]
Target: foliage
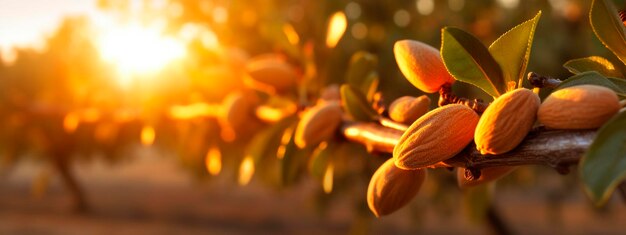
[
  {"x": 495, "y": 70},
  {"x": 602, "y": 168}
]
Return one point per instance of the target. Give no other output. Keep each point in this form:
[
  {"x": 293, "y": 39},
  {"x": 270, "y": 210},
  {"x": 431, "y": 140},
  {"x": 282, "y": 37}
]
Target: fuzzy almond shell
[
  {"x": 578, "y": 107},
  {"x": 422, "y": 65},
  {"x": 235, "y": 110},
  {"x": 486, "y": 175},
  {"x": 407, "y": 109},
  {"x": 506, "y": 121},
  {"x": 271, "y": 72},
  {"x": 318, "y": 124},
  {"x": 436, "y": 136},
  {"x": 391, "y": 188}
]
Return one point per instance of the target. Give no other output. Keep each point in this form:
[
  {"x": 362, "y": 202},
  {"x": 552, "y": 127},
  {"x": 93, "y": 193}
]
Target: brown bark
[{"x": 554, "y": 148}]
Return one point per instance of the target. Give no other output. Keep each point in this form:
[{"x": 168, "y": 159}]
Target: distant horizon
[{"x": 26, "y": 23}]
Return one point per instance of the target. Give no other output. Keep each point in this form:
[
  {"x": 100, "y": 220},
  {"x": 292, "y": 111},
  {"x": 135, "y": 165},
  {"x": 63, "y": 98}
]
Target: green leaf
[
  {"x": 274, "y": 31},
  {"x": 355, "y": 104},
  {"x": 608, "y": 27},
  {"x": 362, "y": 64},
  {"x": 362, "y": 73},
  {"x": 593, "y": 63},
  {"x": 265, "y": 143},
  {"x": 621, "y": 83},
  {"x": 603, "y": 167},
  {"x": 469, "y": 61},
  {"x": 293, "y": 160},
  {"x": 512, "y": 50},
  {"x": 370, "y": 86},
  {"x": 321, "y": 158},
  {"x": 591, "y": 77},
  {"x": 263, "y": 148}
]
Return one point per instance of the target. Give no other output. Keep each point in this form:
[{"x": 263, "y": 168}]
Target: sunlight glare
[
  {"x": 336, "y": 28},
  {"x": 328, "y": 179},
  {"x": 70, "y": 122},
  {"x": 213, "y": 161},
  {"x": 147, "y": 135},
  {"x": 135, "y": 49},
  {"x": 246, "y": 170}
]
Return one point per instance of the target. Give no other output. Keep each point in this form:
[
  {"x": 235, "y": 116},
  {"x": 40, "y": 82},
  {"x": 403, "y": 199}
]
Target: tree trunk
[{"x": 68, "y": 178}]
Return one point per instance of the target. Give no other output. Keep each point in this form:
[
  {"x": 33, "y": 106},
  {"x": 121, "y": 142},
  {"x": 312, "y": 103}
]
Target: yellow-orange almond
[
  {"x": 422, "y": 65},
  {"x": 391, "y": 188},
  {"x": 506, "y": 121},
  {"x": 407, "y": 109},
  {"x": 269, "y": 73},
  {"x": 438, "y": 135},
  {"x": 578, "y": 107},
  {"x": 486, "y": 175},
  {"x": 235, "y": 110},
  {"x": 318, "y": 124},
  {"x": 330, "y": 93}
]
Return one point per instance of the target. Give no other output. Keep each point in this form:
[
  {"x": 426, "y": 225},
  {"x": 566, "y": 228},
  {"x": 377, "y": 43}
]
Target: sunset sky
[{"x": 25, "y": 22}]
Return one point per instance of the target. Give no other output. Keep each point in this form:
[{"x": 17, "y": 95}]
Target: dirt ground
[{"x": 152, "y": 195}]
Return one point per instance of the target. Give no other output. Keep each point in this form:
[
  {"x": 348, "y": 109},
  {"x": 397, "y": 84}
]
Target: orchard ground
[{"x": 153, "y": 195}]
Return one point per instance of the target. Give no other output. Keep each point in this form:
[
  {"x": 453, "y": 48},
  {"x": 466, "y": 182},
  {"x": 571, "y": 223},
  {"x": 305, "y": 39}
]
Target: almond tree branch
[{"x": 554, "y": 148}]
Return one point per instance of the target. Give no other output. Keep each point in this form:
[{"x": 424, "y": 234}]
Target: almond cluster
[{"x": 442, "y": 133}]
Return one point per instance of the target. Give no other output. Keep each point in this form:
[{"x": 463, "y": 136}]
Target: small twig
[
  {"x": 386, "y": 122},
  {"x": 374, "y": 137},
  {"x": 447, "y": 97},
  {"x": 541, "y": 81}
]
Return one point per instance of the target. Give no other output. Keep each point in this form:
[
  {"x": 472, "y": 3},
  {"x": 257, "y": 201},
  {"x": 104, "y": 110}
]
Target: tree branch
[{"x": 554, "y": 148}]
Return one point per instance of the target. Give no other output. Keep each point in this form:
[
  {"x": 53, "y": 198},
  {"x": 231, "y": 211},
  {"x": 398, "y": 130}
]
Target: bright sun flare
[{"x": 135, "y": 49}]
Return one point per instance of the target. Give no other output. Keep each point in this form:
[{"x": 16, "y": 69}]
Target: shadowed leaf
[
  {"x": 603, "y": 167},
  {"x": 593, "y": 63},
  {"x": 608, "y": 27},
  {"x": 355, "y": 103},
  {"x": 591, "y": 77}
]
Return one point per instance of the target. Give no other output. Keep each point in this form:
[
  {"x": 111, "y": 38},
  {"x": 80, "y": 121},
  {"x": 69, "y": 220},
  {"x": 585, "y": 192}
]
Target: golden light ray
[
  {"x": 336, "y": 28},
  {"x": 327, "y": 182},
  {"x": 147, "y": 135},
  {"x": 246, "y": 170},
  {"x": 213, "y": 161}
]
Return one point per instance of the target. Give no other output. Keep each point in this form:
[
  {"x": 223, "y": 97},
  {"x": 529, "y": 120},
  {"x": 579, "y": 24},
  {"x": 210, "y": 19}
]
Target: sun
[{"x": 138, "y": 50}]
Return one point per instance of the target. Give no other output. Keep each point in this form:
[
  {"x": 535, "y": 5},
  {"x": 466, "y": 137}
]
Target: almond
[
  {"x": 330, "y": 93},
  {"x": 486, "y": 175},
  {"x": 318, "y": 124},
  {"x": 436, "y": 136},
  {"x": 578, "y": 107},
  {"x": 270, "y": 74},
  {"x": 506, "y": 121},
  {"x": 236, "y": 109},
  {"x": 422, "y": 65},
  {"x": 407, "y": 109},
  {"x": 236, "y": 112},
  {"x": 391, "y": 188}
]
